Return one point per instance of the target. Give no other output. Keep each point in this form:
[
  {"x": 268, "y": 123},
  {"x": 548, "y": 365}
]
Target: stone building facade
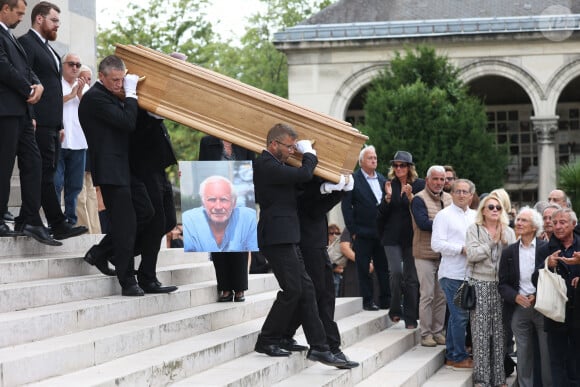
[{"x": 521, "y": 56}]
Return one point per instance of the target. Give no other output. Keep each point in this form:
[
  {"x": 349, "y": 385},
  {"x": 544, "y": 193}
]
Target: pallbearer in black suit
[
  {"x": 20, "y": 88},
  {"x": 44, "y": 60},
  {"x": 317, "y": 199},
  {"x": 107, "y": 122},
  {"x": 278, "y": 237}
]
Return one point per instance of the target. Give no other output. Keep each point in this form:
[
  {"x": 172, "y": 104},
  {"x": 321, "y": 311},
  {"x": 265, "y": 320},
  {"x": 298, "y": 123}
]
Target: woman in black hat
[{"x": 396, "y": 231}]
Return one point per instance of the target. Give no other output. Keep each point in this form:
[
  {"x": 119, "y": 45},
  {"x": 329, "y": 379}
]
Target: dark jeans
[
  {"x": 367, "y": 249},
  {"x": 404, "y": 283},
  {"x": 70, "y": 173},
  {"x": 457, "y": 323}
]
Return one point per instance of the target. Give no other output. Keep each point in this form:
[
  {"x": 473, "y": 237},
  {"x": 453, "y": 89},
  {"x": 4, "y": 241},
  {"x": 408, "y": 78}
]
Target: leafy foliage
[
  {"x": 419, "y": 104},
  {"x": 569, "y": 182}
]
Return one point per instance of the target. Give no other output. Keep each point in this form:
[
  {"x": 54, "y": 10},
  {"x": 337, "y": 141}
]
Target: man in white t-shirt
[
  {"x": 71, "y": 164},
  {"x": 448, "y": 239}
]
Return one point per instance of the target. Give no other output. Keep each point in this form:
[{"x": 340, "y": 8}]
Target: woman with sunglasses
[
  {"x": 485, "y": 240},
  {"x": 396, "y": 231}
]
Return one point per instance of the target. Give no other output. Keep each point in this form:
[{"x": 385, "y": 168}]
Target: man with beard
[
  {"x": 20, "y": 88},
  {"x": 47, "y": 113},
  {"x": 218, "y": 225}
]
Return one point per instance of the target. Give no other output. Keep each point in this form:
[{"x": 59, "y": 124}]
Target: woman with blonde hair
[{"x": 485, "y": 240}]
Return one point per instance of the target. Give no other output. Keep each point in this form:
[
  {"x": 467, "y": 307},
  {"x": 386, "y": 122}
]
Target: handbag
[
  {"x": 465, "y": 296},
  {"x": 551, "y": 294}
]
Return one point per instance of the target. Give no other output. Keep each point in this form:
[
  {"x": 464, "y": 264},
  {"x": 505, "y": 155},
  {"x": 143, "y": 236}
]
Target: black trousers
[
  {"x": 367, "y": 249},
  {"x": 155, "y": 211},
  {"x": 297, "y": 296},
  {"x": 17, "y": 139},
  {"x": 48, "y": 140},
  {"x": 231, "y": 270},
  {"x": 319, "y": 268},
  {"x": 121, "y": 236}
]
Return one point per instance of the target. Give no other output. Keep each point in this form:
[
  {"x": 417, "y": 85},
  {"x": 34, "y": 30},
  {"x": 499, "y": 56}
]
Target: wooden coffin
[{"x": 231, "y": 110}]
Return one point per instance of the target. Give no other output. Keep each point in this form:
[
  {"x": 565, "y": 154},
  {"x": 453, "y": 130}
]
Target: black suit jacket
[
  {"x": 107, "y": 122},
  {"x": 211, "y": 149},
  {"x": 359, "y": 206},
  {"x": 150, "y": 148},
  {"x": 16, "y": 77},
  {"x": 312, "y": 209},
  {"x": 509, "y": 271},
  {"x": 275, "y": 185},
  {"x": 48, "y": 111}
]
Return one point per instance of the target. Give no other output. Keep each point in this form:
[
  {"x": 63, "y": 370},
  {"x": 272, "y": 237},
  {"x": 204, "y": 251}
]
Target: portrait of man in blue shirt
[{"x": 218, "y": 225}]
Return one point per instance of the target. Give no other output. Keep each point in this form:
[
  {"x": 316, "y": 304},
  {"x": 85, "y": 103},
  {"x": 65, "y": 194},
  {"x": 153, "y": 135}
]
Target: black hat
[{"x": 404, "y": 157}]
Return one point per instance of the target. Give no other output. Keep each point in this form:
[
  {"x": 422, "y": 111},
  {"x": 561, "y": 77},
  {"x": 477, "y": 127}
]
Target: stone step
[
  {"x": 447, "y": 377},
  {"x": 365, "y": 338},
  {"x": 411, "y": 369},
  {"x": 55, "y": 320},
  {"x": 30, "y": 294},
  {"x": 167, "y": 363}
]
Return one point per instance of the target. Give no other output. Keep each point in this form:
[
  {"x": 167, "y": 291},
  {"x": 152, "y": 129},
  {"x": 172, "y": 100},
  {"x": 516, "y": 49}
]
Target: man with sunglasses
[
  {"x": 71, "y": 164},
  {"x": 48, "y": 112},
  {"x": 276, "y": 189}
]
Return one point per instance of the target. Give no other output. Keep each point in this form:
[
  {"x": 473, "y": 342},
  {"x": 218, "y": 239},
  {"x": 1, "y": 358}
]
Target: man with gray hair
[
  {"x": 359, "y": 209},
  {"x": 516, "y": 267},
  {"x": 424, "y": 206},
  {"x": 218, "y": 225}
]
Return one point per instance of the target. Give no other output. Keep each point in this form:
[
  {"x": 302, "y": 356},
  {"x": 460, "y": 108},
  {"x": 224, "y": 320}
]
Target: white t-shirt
[{"x": 74, "y": 137}]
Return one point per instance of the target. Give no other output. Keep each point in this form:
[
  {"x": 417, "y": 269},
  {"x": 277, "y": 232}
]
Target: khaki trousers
[{"x": 432, "y": 302}]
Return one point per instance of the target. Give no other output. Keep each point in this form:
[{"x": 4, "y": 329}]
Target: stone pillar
[{"x": 545, "y": 128}]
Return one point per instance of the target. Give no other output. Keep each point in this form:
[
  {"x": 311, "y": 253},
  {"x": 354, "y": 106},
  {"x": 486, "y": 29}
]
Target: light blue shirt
[{"x": 240, "y": 235}]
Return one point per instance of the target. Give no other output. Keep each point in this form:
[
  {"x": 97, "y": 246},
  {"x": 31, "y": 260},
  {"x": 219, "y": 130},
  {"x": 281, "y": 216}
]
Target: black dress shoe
[
  {"x": 349, "y": 363},
  {"x": 292, "y": 345},
  {"x": 6, "y": 232},
  {"x": 228, "y": 298},
  {"x": 99, "y": 262},
  {"x": 370, "y": 306},
  {"x": 132, "y": 291},
  {"x": 66, "y": 230},
  {"x": 271, "y": 350},
  {"x": 8, "y": 217},
  {"x": 156, "y": 287},
  {"x": 39, "y": 233},
  {"x": 325, "y": 357},
  {"x": 239, "y": 297}
]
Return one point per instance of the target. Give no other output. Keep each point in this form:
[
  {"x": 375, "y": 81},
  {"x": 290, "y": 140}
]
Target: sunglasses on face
[
  {"x": 333, "y": 233},
  {"x": 400, "y": 166},
  {"x": 74, "y": 64},
  {"x": 491, "y": 207}
]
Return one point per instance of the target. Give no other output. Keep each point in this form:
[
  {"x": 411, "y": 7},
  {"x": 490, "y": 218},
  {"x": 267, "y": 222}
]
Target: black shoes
[
  {"x": 292, "y": 345},
  {"x": 132, "y": 291},
  {"x": 8, "y": 217},
  {"x": 239, "y": 297},
  {"x": 99, "y": 263},
  {"x": 156, "y": 287},
  {"x": 39, "y": 233},
  {"x": 6, "y": 232},
  {"x": 226, "y": 298},
  {"x": 271, "y": 350},
  {"x": 325, "y": 357},
  {"x": 66, "y": 230},
  {"x": 370, "y": 306},
  {"x": 349, "y": 363}
]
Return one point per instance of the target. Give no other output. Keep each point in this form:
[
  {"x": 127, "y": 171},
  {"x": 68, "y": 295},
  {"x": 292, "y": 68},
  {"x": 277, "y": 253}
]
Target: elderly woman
[
  {"x": 485, "y": 240},
  {"x": 396, "y": 230},
  {"x": 518, "y": 262}
]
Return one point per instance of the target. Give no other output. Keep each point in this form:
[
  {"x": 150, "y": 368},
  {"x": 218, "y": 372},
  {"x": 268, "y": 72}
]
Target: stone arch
[
  {"x": 350, "y": 87},
  {"x": 525, "y": 80},
  {"x": 561, "y": 78}
]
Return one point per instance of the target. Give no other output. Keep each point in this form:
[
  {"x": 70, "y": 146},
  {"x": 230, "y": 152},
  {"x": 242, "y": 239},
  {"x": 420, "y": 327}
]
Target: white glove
[
  {"x": 130, "y": 85},
  {"x": 326, "y": 188},
  {"x": 305, "y": 146},
  {"x": 349, "y": 186}
]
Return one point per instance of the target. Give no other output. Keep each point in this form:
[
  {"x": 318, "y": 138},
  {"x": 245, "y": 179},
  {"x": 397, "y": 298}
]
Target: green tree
[
  {"x": 569, "y": 182},
  {"x": 419, "y": 104}
]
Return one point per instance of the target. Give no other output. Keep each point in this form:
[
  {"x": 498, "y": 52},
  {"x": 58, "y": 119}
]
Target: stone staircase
[{"x": 62, "y": 323}]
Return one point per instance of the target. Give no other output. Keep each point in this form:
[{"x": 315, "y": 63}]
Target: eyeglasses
[
  {"x": 400, "y": 165},
  {"x": 461, "y": 192},
  {"x": 449, "y": 178},
  {"x": 289, "y": 147},
  {"x": 74, "y": 64},
  {"x": 491, "y": 207},
  {"x": 333, "y": 233}
]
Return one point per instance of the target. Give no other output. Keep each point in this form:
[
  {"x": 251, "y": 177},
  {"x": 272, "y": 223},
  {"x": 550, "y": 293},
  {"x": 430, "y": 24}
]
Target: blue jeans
[
  {"x": 457, "y": 324},
  {"x": 69, "y": 174}
]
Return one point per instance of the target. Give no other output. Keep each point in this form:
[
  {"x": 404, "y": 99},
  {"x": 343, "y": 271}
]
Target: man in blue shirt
[{"x": 219, "y": 225}]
